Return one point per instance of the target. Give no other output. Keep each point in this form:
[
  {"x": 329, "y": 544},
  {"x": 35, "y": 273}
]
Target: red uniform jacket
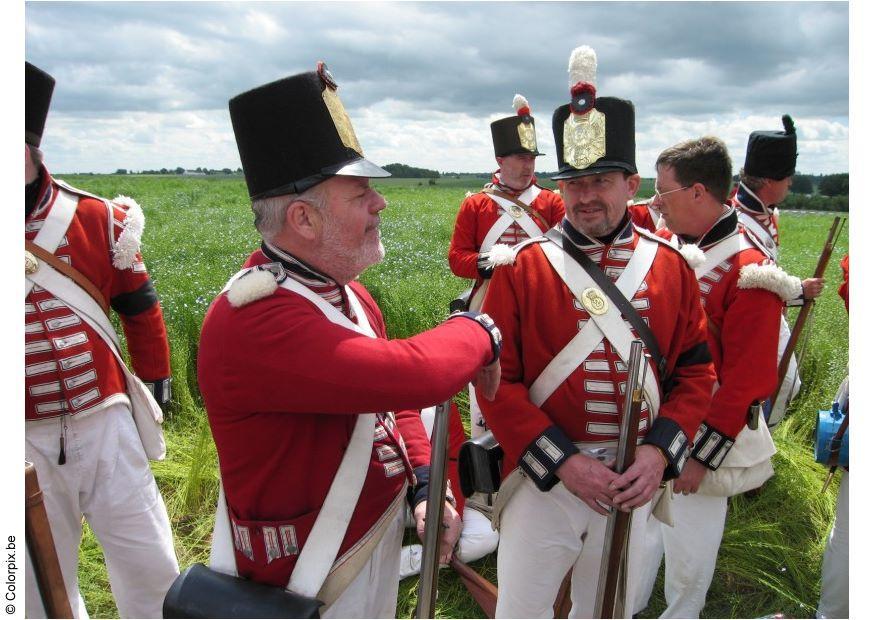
[
  {"x": 742, "y": 335},
  {"x": 642, "y": 216},
  {"x": 844, "y": 287},
  {"x": 68, "y": 367},
  {"x": 766, "y": 216},
  {"x": 477, "y": 215},
  {"x": 282, "y": 385},
  {"x": 538, "y": 316}
]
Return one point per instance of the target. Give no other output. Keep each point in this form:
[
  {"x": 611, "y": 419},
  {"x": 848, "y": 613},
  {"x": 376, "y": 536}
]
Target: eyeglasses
[{"x": 658, "y": 195}]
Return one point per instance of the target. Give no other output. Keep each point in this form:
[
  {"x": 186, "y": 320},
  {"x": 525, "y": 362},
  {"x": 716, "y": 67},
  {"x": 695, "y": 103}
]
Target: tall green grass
[{"x": 198, "y": 233}]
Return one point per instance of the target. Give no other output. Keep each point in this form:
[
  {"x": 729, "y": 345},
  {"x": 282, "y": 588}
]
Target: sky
[{"x": 146, "y": 85}]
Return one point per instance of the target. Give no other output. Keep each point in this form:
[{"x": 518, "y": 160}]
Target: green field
[{"x": 199, "y": 231}]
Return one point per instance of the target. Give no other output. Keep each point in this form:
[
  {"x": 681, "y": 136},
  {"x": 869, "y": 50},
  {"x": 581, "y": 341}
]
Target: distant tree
[
  {"x": 121, "y": 171},
  {"x": 226, "y": 171},
  {"x": 802, "y": 184},
  {"x": 410, "y": 172},
  {"x": 179, "y": 170},
  {"x": 834, "y": 185}
]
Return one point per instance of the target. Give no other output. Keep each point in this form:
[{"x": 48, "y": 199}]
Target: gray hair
[
  {"x": 270, "y": 212},
  {"x": 751, "y": 182}
]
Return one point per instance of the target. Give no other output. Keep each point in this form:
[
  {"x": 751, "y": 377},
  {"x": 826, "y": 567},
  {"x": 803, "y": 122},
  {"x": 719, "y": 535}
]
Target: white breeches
[
  {"x": 373, "y": 593},
  {"x": 834, "y": 573},
  {"x": 541, "y": 540},
  {"x": 107, "y": 479},
  {"x": 478, "y": 538}
]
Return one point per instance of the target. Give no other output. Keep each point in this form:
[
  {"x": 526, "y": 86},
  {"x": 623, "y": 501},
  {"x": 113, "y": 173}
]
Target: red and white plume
[
  {"x": 521, "y": 105},
  {"x": 582, "y": 66}
]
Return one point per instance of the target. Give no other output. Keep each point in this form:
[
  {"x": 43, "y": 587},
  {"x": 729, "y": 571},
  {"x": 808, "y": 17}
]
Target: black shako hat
[
  {"x": 38, "y": 88},
  {"x": 592, "y": 134},
  {"x": 772, "y": 154},
  {"x": 295, "y": 133},
  {"x": 515, "y": 135}
]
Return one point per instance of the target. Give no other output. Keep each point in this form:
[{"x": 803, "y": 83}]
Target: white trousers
[
  {"x": 541, "y": 540},
  {"x": 834, "y": 573},
  {"x": 107, "y": 479},
  {"x": 373, "y": 593},
  {"x": 691, "y": 549}
]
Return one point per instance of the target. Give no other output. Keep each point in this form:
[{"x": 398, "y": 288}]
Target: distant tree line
[
  {"x": 181, "y": 170},
  {"x": 404, "y": 171}
]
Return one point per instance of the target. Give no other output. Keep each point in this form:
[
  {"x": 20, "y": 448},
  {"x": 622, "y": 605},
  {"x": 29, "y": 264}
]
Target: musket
[
  {"x": 434, "y": 512},
  {"x": 611, "y": 593},
  {"x": 807, "y": 304},
  {"x": 41, "y": 549},
  {"x": 483, "y": 591}
]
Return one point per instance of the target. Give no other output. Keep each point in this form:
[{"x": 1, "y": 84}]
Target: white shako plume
[
  {"x": 582, "y": 66},
  {"x": 521, "y": 105}
]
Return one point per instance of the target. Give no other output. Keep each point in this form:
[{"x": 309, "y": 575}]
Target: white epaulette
[
  {"x": 76, "y": 190},
  {"x": 503, "y": 254},
  {"x": 771, "y": 278},
  {"x": 255, "y": 283}
]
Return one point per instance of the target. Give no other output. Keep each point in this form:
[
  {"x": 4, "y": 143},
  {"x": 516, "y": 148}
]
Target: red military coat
[
  {"x": 766, "y": 216},
  {"x": 68, "y": 367},
  {"x": 476, "y": 216},
  {"x": 282, "y": 386},
  {"x": 744, "y": 318},
  {"x": 643, "y": 216},
  {"x": 538, "y": 316}
]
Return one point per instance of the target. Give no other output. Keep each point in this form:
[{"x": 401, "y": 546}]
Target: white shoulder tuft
[
  {"x": 694, "y": 256},
  {"x": 250, "y": 287},
  {"x": 771, "y": 278},
  {"x": 501, "y": 254},
  {"x": 582, "y": 65},
  {"x": 124, "y": 251}
]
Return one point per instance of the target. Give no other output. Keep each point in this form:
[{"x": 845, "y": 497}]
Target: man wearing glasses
[{"x": 741, "y": 291}]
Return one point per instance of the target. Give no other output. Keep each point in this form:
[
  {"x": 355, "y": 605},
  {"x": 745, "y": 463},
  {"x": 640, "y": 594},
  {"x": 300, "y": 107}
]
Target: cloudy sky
[{"x": 146, "y": 85}]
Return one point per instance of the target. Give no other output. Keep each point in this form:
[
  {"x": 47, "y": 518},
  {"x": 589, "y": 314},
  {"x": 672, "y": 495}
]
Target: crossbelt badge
[
  {"x": 594, "y": 301},
  {"x": 516, "y": 212},
  {"x": 31, "y": 264}
]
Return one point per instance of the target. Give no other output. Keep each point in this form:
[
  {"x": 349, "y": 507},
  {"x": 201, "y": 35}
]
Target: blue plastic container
[{"x": 828, "y": 423}]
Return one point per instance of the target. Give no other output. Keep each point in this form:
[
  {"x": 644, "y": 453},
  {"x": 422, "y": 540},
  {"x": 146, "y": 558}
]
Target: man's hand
[
  {"x": 640, "y": 481},
  {"x": 812, "y": 287},
  {"x": 588, "y": 479},
  {"x": 450, "y": 531},
  {"x": 487, "y": 380},
  {"x": 690, "y": 478}
]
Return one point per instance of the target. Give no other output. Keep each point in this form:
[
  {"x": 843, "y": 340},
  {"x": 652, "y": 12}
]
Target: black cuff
[
  {"x": 667, "y": 435},
  {"x": 544, "y": 456},
  {"x": 160, "y": 389},
  {"x": 135, "y": 302},
  {"x": 484, "y": 267},
  {"x": 486, "y": 322},
  {"x": 711, "y": 446},
  {"x": 419, "y": 493}
]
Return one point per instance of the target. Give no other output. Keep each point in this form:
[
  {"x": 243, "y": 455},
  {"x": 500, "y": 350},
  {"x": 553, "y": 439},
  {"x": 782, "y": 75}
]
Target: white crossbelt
[
  {"x": 508, "y": 218},
  {"x": 610, "y": 326},
  {"x": 755, "y": 227},
  {"x": 146, "y": 411},
  {"x": 319, "y": 552},
  {"x": 55, "y": 226},
  {"x": 716, "y": 254}
]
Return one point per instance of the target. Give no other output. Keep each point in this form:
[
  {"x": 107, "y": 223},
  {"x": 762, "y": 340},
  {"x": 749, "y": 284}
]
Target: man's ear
[
  {"x": 304, "y": 219},
  {"x": 632, "y": 185}
]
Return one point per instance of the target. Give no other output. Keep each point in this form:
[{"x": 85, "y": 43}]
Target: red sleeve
[
  {"x": 557, "y": 209},
  {"x": 845, "y": 287},
  {"x": 464, "y": 248},
  {"x": 514, "y": 420},
  {"x": 284, "y": 343},
  {"x": 748, "y": 368},
  {"x": 132, "y": 295}
]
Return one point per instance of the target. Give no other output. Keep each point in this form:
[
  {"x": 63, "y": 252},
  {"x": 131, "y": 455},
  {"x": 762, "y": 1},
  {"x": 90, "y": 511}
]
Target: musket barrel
[{"x": 425, "y": 603}]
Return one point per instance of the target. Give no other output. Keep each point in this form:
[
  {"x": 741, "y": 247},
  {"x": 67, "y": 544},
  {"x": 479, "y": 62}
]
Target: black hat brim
[
  {"x": 359, "y": 167},
  {"x": 601, "y": 167}
]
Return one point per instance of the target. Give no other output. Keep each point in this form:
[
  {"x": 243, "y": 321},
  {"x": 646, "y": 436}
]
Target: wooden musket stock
[
  {"x": 434, "y": 512},
  {"x": 611, "y": 593},
  {"x": 41, "y": 549},
  {"x": 825, "y": 254}
]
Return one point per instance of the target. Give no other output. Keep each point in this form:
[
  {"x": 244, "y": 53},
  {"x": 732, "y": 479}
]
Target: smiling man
[
  {"x": 557, "y": 411},
  {"x": 299, "y": 378}
]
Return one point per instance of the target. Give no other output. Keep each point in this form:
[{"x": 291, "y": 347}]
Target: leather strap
[
  {"x": 610, "y": 289},
  {"x": 835, "y": 445},
  {"x": 71, "y": 272},
  {"x": 519, "y": 203}
]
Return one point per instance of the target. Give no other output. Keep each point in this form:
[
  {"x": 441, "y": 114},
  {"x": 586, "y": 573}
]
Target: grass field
[{"x": 199, "y": 231}]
